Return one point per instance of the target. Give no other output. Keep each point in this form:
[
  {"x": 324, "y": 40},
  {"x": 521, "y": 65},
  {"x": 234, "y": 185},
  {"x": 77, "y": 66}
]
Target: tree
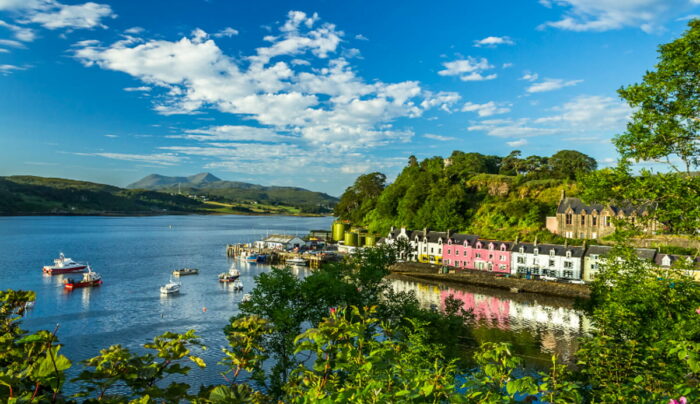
[
  {"x": 510, "y": 165},
  {"x": 666, "y": 118},
  {"x": 361, "y": 197},
  {"x": 570, "y": 164}
]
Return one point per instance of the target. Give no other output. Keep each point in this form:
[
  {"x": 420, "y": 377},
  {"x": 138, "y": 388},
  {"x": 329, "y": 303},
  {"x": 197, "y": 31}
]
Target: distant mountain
[
  {"x": 156, "y": 181},
  {"x": 206, "y": 184},
  {"x": 29, "y": 195}
]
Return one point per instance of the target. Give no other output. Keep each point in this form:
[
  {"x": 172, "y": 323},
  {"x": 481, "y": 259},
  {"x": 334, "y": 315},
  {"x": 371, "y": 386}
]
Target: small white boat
[
  {"x": 229, "y": 276},
  {"x": 170, "y": 288},
  {"x": 236, "y": 285},
  {"x": 298, "y": 262},
  {"x": 246, "y": 297}
]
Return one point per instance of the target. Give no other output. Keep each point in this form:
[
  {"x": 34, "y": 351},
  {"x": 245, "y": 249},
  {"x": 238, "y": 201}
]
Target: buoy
[{"x": 204, "y": 309}]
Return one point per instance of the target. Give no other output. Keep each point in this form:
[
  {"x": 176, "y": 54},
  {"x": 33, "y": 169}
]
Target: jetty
[{"x": 274, "y": 256}]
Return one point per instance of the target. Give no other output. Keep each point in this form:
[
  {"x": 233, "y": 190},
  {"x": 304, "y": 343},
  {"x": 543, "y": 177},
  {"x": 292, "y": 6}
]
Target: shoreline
[
  {"x": 148, "y": 214},
  {"x": 485, "y": 279}
]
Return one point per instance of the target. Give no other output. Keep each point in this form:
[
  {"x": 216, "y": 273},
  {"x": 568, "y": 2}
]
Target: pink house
[{"x": 465, "y": 251}]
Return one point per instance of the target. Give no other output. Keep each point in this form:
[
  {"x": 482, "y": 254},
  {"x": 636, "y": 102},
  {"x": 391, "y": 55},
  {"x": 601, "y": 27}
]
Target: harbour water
[{"x": 135, "y": 256}]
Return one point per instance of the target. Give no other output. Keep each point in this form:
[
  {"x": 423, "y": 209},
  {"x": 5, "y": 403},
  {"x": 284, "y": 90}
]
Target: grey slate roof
[
  {"x": 459, "y": 238},
  {"x": 674, "y": 258},
  {"x": 496, "y": 244},
  {"x": 579, "y": 207},
  {"x": 544, "y": 249},
  {"x": 603, "y": 250}
]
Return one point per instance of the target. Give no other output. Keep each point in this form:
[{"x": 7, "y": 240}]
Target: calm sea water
[{"x": 136, "y": 254}]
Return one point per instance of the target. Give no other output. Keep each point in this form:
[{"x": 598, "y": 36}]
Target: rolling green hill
[
  {"x": 20, "y": 195},
  {"x": 215, "y": 189}
]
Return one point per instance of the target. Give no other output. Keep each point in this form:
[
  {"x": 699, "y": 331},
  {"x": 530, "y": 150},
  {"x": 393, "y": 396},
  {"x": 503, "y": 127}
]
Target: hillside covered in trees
[{"x": 498, "y": 197}]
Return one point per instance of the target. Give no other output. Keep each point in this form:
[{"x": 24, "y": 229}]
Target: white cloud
[
  {"x": 134, "y": 30},
  {"x": 7, "y": 69},
  {"x": 507, "y": 65},
  {"x": 163, "y": 159},
  {"x": 530, "y": 77},
  {"x": 57, "y": 15},
  {"x": 144, "y": 89},
  {"x": 4, "y": 50},
  {"x": 23, "y": 34},
  {"x": 111, "y": 136},
  {"x": 582, "y": 119},
  {"x": 361, "y": 37},
  {"x": 234, "y": 133},
  {"x": 438, "y": 137},
  {"x": 52, "y": 14},
  {"x": 468, "y": 69},
  {"x": 226, "y": 33},
  {"x": 517, "y": 143},
  {"x": 328, "y": 106},
  {"x": 551, "y": 85},
  {"x": 355, "y": 168},
  {"x": 493, "y": 41},
  {"x": 12, "y": 43},
  {"x": 486, "y": 109},
  {"x": 604, "y": 15}
]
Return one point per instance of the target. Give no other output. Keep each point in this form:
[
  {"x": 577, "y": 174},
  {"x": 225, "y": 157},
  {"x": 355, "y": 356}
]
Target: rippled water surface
[{"x": 135, "y": 255}]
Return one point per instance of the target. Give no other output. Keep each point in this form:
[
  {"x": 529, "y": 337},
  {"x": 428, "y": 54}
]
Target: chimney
[
  {"x": 535, "y": 239},
  {"x": 563, "y": 195},
  {"x": 448, "y": 233},
  {"x": 392, "y": 229},
  {"x": 517, "y": 238},
  {"x": 566, "y": 242},
  {"x": 425, "y": 231}
]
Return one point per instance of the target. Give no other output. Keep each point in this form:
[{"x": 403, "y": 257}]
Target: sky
[{"x": 314, "y": 93}]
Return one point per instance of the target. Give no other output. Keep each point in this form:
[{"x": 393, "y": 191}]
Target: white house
[
  {"x": 429, "y": 245},
  {"x": 280, "y": 242},
  {"x": 559, "y": 261},
  {"x": 401, "y": 234}
]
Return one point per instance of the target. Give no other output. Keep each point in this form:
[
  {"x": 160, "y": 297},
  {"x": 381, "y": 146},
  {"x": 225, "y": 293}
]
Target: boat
[
  {"x": 186, "y": 271},
  {"x": 89, "y": 279},
  {"x": 63, "y": 265},
  {"x": 229, "y": 276},
  {"x": 236, "y": 285},
  {"x": 298, "y": 261},
  {"x": 170, "y": 288},
  {"x": 253, "y": 258},
  {"x": 246, "y": 298}
]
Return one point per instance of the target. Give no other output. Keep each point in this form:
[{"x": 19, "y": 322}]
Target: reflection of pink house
[
  {"x": 488, "y": 309},
  {"x": 469, "y": 252}
]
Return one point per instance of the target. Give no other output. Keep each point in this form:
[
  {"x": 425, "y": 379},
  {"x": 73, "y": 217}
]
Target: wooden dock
[{"x": 277, "y": 257}]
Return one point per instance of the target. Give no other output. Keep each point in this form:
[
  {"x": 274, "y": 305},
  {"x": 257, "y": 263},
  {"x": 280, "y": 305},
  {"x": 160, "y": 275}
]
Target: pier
[{"x": 277, "y": 257}]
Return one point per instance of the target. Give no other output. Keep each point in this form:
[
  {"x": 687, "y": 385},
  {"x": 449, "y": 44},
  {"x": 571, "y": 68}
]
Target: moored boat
[
  {"x": 186, "y": 271},
  {"x": 246, "y": 298},
  {"x": 89, "y": 279},
  {"x": 236, "y": 285},
  {"x": 297, "y": 261},
  {"x": 170, "y": 288},
  {"x": 63, "y": 265},
  {"x": 253, "y": 258},
  {"x": 229, "y": 276}
]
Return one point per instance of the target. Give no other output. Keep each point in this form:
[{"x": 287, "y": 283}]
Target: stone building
[{"x": 575, "y": 219}]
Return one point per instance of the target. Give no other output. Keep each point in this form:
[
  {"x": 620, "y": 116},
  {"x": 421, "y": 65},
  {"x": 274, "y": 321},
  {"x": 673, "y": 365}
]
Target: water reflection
[{"x": 536, "y": 324}]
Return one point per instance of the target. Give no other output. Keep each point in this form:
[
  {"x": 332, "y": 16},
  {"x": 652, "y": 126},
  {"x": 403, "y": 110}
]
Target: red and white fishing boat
[
  {"x": 229, "y": 276},
  {"x": 63, "y": 265},
  {"x": 89, "y": 279}
]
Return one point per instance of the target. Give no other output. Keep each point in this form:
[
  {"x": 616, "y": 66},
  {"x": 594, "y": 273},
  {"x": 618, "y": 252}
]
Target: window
[
  {"x": 490, "y": 256},
  {"x": 568, "y": 274},
  {"x": 478, "y": 255},
  {"x": 491, "y": 246},
  {"x": 536, "y": 251},
  {"x": 594, "y": 235},
  {"x": 535, "y": 271},
  {"x": 431, "y": 250},
  {"x": 594, "y": 256},
  {"x": 502, "y": 257},
  {"x": 594, "y": 220},
  {"x": 425, "y": 249},
  {"x": 568, "y": 264},
  {"x": 551, "y": 253},
  {"x": 502, "y": 267},
  {"x": 522, "y": 270},
  {"x": 551, "y": 263},
  {"x": 521, "y": 250},
  {"x": 503, "y": 247},
  {"x": 465, "y": 253},
  {"x": 594, "y": 266},
  {"x": 568, "y": 254},
  {"x": 456, "y": 263},
  {"x": 448, "y": 251},
  {"x": 583, "y": 220},
  {"x": 582, "y": 235},
  {"x": 607, "y": 221},
  {"x": 521, "y": 260},
  {"x": 447, "y": 262},
  {"x": 439, "y": 250},
  {"x": 568, "y": 218}
]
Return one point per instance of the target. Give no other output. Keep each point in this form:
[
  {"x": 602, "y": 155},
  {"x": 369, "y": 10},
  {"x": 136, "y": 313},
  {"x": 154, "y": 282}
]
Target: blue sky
[{"x": 313, "y": 93}]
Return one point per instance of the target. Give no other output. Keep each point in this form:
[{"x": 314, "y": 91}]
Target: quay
[{"x": 277, "y": 256}]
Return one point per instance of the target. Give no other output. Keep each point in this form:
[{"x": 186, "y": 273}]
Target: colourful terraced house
[
  {"x": 429, "y": 245},
  {"x": 464, "y": 251}
]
